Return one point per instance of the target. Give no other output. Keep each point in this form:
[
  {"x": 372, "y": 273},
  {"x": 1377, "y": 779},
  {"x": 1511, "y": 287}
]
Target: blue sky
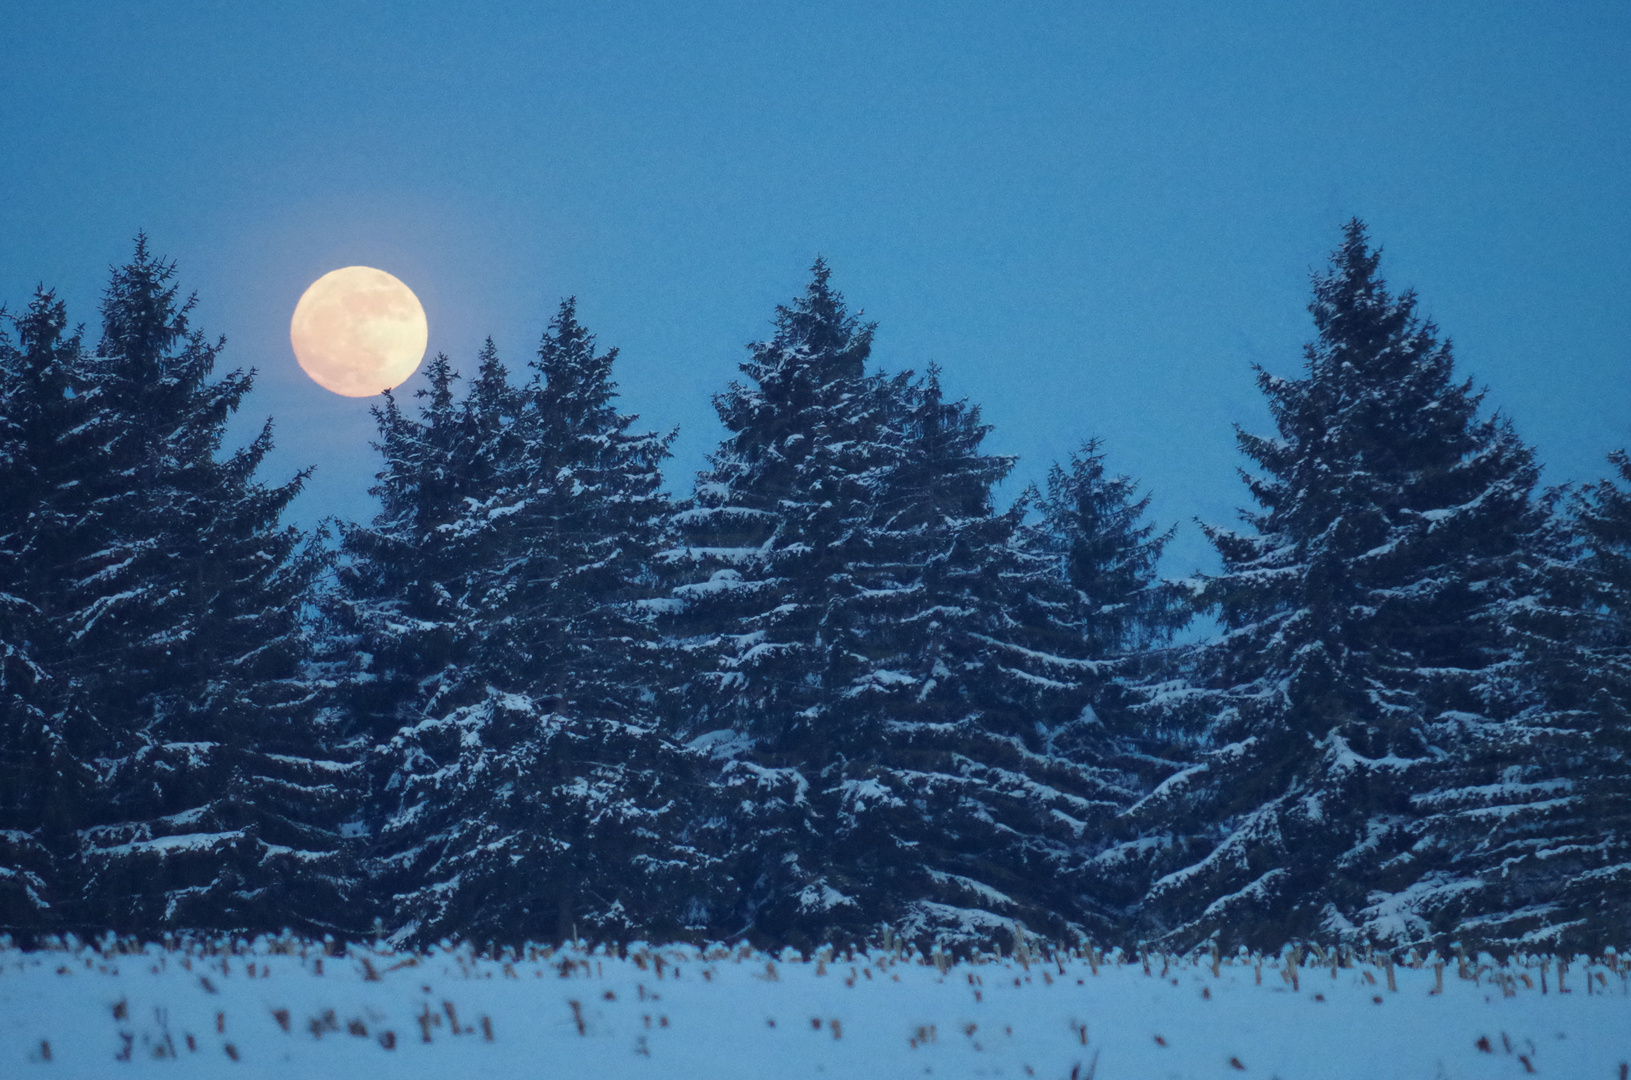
[{"x": 1095, "y": 217}]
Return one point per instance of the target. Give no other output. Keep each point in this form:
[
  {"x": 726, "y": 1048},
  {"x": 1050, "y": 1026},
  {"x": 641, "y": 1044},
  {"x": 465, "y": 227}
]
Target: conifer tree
[
  {"x": 764, "y": 564},
  {"x": 1110, "y": 598},
  {"x": 966, "y": 776},
  {"x": 409, "y": 607},
  {"x": 1362, "y": 646},
  {"x": 168, "y": 601},
  {"x": 1599, "y": 894},
  {"x": 589, "y": 535},
  {"x": 404, "y": 620},
  {"x": 45, "y": 746},
  {"x": 889, "y": 657},
  {"x": 768, "y": 534},
  {"x": 1541, "y": 817},
  {"x": 505, "y": 804},
  {"x": 1093, "y": 524}
]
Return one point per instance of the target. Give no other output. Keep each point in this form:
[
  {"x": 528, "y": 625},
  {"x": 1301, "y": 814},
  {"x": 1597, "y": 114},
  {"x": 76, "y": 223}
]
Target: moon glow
[{"x": 358, "y": 331}]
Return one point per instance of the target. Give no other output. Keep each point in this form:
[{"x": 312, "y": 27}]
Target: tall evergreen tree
[
  {"x": 1362, "y": 646},
  {"x": 764, "y": 560},
  {"x": 1093, "y": 523},
  {"x": 167, "y": 603},
  {"x": 44, "y": 772},
  {"x": 1599, "y": 894},
  {"x": 966, "y": 776},
  {"x": 409, "y": 606},
  {"x": 510, "y": 801},
  {"x": 589, "y": 535},
  {"x": 889, "y": 680},
  {"x": 1542, "y": 818},
  {"x": 768, "y": 535},
  {"x": 226, "y": 799},
  {"x": 1091, "y": 528}
]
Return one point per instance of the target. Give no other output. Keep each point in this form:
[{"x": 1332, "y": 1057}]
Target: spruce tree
[
  {"x": 894, "y": 684},
  {"x": 766, "y": 539},
  {"x": 764, "y": 559},
  {"x": 506, "y": 804},
  {"x": 1363, "y": 658},
  {"x": 45, "y": 746},
  {"x": 1599, "y": 894},
  {"x": 1111, "y": 599},
  {"x": 1093, "y": 524},
  {"x": 967, "y": 777},
  {"x": 408, "y": 608},
  {"x": 168, "y": 603},
  {"x": 1541, "y": 817},
  {"x": 589, "y": 534}
]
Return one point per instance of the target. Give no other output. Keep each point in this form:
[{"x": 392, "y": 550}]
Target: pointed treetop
[
  {"x": 566, "y": 336},
  {"x": 441, "y": 376},
  {"x": 140, "y": 317},
  {"x": 573, "y": 389},
  {"x": 566, "y": 355},
  {"x": 931, "y": 381},
  {"x": 1350, "y": 283},
  {"x": 40, "y": 330},
  {"x": 489, "y": 407},
  {"x": 1093, "y": 522},
  {"x": 819, "y": 324},
  {"x": 489, "y": 358},
  {"x": 1354, "y": 313},
  {"x": 491, "y": 387}
]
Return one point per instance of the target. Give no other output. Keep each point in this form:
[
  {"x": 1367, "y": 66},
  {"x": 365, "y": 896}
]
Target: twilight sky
[{"x": 1094, "y": 216}]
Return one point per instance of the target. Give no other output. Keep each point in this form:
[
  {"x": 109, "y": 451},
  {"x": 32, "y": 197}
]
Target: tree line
[{"x": 837, "y": 689}]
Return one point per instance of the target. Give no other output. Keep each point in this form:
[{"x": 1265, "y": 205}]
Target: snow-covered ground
[{"x": 725, "y": 1014}]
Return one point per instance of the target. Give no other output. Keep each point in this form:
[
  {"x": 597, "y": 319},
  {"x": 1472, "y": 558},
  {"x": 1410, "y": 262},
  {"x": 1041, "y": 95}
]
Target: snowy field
[{"x": 285, "y": 1009}]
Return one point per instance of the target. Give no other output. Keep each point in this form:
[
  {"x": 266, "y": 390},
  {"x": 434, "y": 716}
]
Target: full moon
[{"x": 358, "y": 331}]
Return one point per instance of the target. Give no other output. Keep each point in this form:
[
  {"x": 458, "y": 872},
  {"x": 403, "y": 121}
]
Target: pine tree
[
  {"x": 909, "y": 739},
  {"x": 396, "y": 624},
  {"x": 510, "y": 801},
  {"x": 1093, "y": 524},
  {"x": 966, "y": 776},
  {"x": 589, "y": 534},
  {"x": 1542, "y": 818},
  {"x": 1600, "y": 893},
  {"x": 1112, "y": 600},
  {"x": 44, "y": 772},
  {"x": 169, "y": 597},
  {"x": 410, "y": 607},
  {"x": 1362, "y": 644},
  {"x": 768, "y": 534},
  {"x": 764, "y": 565}
]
